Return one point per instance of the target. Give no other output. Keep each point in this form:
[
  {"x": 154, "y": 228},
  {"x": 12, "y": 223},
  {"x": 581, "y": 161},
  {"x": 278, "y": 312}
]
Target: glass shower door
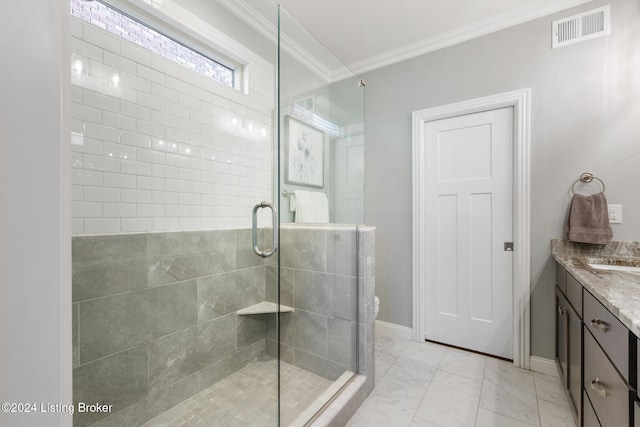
[
  {"x": 321, "y": 203},
  {"x": 215, "y": 220},
  {"x": 171, "y": 309}
]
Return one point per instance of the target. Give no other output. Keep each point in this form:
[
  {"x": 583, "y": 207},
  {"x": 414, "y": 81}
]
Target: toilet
[{"x": 376, "y": 307}]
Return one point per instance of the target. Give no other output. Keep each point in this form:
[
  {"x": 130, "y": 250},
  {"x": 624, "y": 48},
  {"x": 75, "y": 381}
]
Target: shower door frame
[{"x": 66, "y": 231}]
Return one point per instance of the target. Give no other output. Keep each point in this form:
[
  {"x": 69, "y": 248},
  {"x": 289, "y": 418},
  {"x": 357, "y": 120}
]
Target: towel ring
[{"x": 586, "y": 177}]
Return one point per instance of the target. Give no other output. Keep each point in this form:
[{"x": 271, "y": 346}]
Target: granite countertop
[{"x": 619, "y": 291}]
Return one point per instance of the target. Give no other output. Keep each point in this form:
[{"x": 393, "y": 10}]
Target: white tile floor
[{"x": 427, "y": 385}]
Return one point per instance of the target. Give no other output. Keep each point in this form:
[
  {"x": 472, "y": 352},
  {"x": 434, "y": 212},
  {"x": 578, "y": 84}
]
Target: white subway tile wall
[{"x": 159, "y": 147}]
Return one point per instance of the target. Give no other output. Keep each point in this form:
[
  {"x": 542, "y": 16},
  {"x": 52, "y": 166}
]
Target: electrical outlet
[{"x": 615, "y": 214}]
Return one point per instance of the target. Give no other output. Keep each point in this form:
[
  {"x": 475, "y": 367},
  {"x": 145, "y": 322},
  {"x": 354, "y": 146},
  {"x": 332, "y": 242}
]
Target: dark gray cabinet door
[
  {"x": 562, "y": 335},
  {"x": 575, "y": 358},
  {"x": 589, "y": 418}
]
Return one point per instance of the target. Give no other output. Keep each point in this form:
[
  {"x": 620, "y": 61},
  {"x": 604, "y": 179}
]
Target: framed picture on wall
[{"x": 304, "y": 148}]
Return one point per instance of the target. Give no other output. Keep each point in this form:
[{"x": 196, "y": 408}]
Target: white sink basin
[
  {"x": 616, "y": 267},
  {"x": 630, "y": 266}
]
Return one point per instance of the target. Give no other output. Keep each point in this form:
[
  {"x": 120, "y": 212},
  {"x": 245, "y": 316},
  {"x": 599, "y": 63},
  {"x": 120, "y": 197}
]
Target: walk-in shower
[{"x": 221, "y": 271}]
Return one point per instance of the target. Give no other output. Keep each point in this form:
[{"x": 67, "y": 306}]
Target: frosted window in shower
[{"x": 129, "y": 29}]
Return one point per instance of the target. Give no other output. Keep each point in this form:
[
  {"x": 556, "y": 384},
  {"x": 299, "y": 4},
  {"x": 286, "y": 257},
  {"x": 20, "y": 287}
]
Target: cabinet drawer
[
  {"x": 589, "y": 418},
  {"x": 607, "y": 392},
  {"x": 561, "y": 278},
  {"x": 636, "y": 414},
  {"x": 574, "y": 294},
  {"x": 610, "y": 333}
]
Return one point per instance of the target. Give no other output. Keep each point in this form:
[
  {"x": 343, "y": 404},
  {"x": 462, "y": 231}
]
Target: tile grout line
[
  {"x": 480, "y": 394},
  {"x": 535, "y": 387},
  {"x": 517, "y": 420},
  {"x": 413, "y": 417}
]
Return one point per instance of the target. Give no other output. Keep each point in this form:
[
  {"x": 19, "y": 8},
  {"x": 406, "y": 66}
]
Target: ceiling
[{"x": 368, "y": 34}]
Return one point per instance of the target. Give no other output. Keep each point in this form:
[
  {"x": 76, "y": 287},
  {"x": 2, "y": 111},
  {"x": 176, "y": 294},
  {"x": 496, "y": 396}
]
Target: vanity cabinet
[
  {"x": 562, "y": 336},
  {"x": 636, "y": 398},
  {"x": 589, "y": 418},
  {"x": 569, "y": 335},
  {"x": 606, "y": 389},
  {"x": 597, "y": 358},
  {"x": 574, "y": 295}
]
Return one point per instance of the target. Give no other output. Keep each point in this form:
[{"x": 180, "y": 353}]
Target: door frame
[{"x": 520, "y": 101}]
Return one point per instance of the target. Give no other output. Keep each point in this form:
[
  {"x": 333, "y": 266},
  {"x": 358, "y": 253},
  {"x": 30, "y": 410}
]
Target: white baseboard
[
  {"x": 393, "y": 330},
  {"x": 544, "y": 366}
]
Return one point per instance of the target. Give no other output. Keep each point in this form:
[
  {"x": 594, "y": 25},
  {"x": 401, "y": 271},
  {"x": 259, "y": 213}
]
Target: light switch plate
[{"x": 615, "y": 214}]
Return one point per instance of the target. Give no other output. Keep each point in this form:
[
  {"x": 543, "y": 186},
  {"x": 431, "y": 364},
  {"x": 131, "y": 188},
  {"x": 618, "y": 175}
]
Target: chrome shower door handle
[{"x": 274, "y": 213}]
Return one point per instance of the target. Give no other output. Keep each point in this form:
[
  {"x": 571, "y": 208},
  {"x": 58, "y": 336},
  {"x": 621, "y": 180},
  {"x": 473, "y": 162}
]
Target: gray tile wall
[
  {"x": 319, "y": 276},
  {"x": 154, "y": 318},
  {"x": 366, "y": 308},
  {"x": 154, "y": 315}
]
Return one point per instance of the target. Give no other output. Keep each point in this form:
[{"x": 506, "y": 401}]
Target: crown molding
[
  {"x": 533, "y": 10},
  {"x": 529, "y": 12},
  {"x": 263, "y": 26},
  {"x": 248, "y": 14}
]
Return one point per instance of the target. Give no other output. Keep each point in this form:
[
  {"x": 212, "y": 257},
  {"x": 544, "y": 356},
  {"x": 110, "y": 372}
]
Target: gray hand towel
[{"x": 589, "y": 219}]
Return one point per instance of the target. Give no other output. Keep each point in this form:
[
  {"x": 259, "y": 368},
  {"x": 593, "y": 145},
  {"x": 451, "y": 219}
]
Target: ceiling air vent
[{"x": 584, "y": 26}]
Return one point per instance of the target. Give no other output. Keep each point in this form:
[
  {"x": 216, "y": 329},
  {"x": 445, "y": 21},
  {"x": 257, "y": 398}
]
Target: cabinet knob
[
  {"x": 599, "y": 387},
  {"x": 562, "y": 311},
  {"x": 601, "y": 325}
]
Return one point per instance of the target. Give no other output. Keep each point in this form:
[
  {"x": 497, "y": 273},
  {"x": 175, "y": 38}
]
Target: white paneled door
[{"x": 469, "y": 219}]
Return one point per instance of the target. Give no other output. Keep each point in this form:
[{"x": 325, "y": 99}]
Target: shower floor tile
[{"x": 248, "y": 398}]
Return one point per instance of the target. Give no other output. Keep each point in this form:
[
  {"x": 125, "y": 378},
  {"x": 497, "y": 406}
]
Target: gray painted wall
[{"x": 585, "y": 116}]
